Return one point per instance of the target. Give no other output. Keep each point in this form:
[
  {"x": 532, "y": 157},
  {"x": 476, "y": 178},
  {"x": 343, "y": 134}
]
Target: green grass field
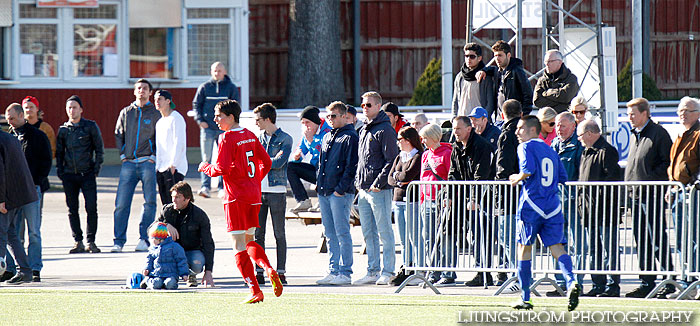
[{"x": 22, "y": 307}]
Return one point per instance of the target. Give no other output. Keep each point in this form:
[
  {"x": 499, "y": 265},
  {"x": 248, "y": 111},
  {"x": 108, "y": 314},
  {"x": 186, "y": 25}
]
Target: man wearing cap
[
  {"x": 79, "y": 157},
  {"x": 352, "y": 118},
  {"x": 17, "y": 190},
  {"x": 217, "y": 89},
  {"x": 484, "y": 127},
  {"x": 37, "y": 152},
  {"x": 30, "y": 105},
  {"x": 468, "y": 92},
  {"x": 135, "y": 135},
  {"x": 313, "y": 128},
  {"x": 557, "y": 86},
  {"x": 171, "y": 147},
  {"x": 395, "y": 117}
]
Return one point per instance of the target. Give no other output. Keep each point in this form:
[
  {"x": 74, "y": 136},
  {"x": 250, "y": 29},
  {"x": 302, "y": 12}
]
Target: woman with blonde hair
[
  {"x": 579, "y": 107},
  {"x": 547, "y": 115}
]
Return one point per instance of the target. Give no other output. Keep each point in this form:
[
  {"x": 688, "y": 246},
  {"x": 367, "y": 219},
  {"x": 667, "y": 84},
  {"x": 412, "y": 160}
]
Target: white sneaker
[
  {"x": 414, "y": 282},
  {"x": 221, "y": 193},
  {"x": 368, "y": 279},
  {"x": 326, "y": 280},
  {"x": 384, "y": 280},
  {"x": 341, "y": 280},
  {"x": 513, "y": 288},
  {"x": 204, "y": 192},
  {"x": 302, "y": 206},
  {"x": 315, "y": 208},
  {"x": 116, "y": 248},
  {"x": 142, "y": 245}
]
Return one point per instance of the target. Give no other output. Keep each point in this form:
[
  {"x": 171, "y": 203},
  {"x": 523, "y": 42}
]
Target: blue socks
[
  {"x": 565, "y": 266},
  {"x": 524, "y": 276}
]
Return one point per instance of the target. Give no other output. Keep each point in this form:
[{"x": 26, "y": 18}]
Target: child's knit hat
[{"x": 159, "y": 231}]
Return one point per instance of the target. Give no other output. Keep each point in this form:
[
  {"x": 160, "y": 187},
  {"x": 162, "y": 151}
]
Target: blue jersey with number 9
[{"x": 539, "y": 196}]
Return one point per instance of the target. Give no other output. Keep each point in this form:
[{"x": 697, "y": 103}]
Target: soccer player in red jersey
[{"x": 243, "y": 162}]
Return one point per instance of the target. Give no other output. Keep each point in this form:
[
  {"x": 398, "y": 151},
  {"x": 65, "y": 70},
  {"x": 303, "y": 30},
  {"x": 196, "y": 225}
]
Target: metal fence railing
[{"x": 612, "y": 228}]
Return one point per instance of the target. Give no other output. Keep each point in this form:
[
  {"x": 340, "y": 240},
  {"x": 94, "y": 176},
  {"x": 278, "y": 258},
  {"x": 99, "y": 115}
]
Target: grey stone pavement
[{"x": 107, "y": 271}]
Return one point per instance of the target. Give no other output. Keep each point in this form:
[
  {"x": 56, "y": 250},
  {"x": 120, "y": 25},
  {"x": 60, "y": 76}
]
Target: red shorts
[{"x": 241, "y": 216}]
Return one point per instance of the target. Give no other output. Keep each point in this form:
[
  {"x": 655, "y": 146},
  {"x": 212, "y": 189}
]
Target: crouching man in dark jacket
[
  {"x": 189, "y": 226},
  {"x": 336, "y": 191},
  {"x": 599, "y": 163}
]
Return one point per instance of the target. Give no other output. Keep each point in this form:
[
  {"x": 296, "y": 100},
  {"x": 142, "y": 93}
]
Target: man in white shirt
[{"x": 171, "y": 146}]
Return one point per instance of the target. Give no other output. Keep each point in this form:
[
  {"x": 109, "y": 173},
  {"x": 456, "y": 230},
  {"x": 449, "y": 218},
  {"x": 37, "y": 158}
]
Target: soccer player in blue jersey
[{"x": 539, "y": 208}]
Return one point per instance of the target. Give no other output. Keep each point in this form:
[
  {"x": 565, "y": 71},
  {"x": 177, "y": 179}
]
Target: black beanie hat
[
  {"x": 311, "y": 112},
  {"x": 75, "y": 98}
]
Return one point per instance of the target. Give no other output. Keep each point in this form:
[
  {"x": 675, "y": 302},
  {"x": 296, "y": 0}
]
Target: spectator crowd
[{"x": 351, "y": 162}]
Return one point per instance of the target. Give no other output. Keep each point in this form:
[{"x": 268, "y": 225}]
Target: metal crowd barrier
[{"x": 612, "y": 228}]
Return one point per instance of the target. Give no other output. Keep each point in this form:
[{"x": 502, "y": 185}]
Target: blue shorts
[{"x": 550, "y": 233}]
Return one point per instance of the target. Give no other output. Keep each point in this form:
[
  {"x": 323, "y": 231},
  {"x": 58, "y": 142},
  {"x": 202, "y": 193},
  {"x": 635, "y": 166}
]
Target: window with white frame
[
  {"x": 152, "y": 52},
  {"x": 68, "y": 43},
  {"x": 209, "y": 32},
  {"x": 38, "y": 41},
  {"x": 95, "y": 42}
]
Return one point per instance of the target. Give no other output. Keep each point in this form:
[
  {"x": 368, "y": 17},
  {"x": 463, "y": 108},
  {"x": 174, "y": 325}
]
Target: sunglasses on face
[
  {"x": 333, "y": 115},
  {"x": 470, "y": 56},
  {"x": 366, "y": 105},
  {"x": 551, "y": 124},
  {"x": 578, "y": 112}
]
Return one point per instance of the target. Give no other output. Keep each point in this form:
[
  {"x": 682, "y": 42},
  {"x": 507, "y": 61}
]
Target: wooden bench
[{"x": 313, "y": 218}]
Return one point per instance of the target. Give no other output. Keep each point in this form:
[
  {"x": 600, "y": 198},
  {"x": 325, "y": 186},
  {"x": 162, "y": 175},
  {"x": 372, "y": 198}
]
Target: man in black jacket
[
  {"x": 648, "y": 160},
  {"x": 470, "y": 160},
  {"x": 507, "y": 164},
  {"x": 189, "y": 226},
  {"x": 470, "y": 93},
  {"x": 335, "y": 185},
  {"x": 377, "y": 150},
  {"x": 512, "y": 80},
  {"x": 37, "y": 151},
  {"x": 557, "y": 86},
  {"x": 599, "y": 163},
  {"x": 17, "y": 190},
  {"x": 79, "y": 156}
]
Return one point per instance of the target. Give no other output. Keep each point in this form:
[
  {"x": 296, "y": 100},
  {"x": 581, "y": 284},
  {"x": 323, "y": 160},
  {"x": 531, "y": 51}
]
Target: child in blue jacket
[{"x": 166, "y": 260}]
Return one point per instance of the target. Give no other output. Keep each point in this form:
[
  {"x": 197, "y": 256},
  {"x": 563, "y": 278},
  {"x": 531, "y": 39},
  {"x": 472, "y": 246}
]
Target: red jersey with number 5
[{"x": 243, "y": 163}]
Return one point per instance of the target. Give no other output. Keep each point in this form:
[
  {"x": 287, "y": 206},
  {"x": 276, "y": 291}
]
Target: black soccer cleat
[
  {"x": 573, "y": 296},
  {"x": 523, "y": 305}
]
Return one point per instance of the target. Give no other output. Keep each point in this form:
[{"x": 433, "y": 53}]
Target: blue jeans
[
  {"x": 399, "y": 210},
  {"x": 441, "y": 248},
  {"x": 506, "y": 239},
  {"x": 130, "y": 175},
  {"x": 574, "y": 225},
  {"x": 195, "y": 260},
  {"x": 157, "y": 283},
  {"x": 689, "y": 250},
  {"x": 276, "y": 203},
  {"x": 375, "y": 216},
  {"x": 207, "y": 138},
  {"x": 9, "y": 238},
  {"x": 335, "y": 215},
  {"x": 32, "y": 214}
]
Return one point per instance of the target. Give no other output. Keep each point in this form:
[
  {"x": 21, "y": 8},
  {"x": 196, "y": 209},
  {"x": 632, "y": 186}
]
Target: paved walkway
[{"x": 107, "y": 271}]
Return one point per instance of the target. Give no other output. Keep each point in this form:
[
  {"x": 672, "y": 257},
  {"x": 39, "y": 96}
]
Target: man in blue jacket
[
  {"x": 217, "y": 89},
  {"x": 135, "y": 134},
  {"x": 336, "y": 191},
  {"x": 278, "y": 145},
  {"x": 377, "y": 150}
]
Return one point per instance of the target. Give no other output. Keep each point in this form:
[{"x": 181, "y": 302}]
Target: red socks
[
  {"x": 247, "y": 271},
  {"x": 257, "y": 252}
]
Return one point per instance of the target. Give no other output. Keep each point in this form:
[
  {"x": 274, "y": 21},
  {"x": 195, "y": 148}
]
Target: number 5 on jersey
[{"x": 248, "y": 155}]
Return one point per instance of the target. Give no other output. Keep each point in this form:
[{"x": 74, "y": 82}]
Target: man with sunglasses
[
  {"x": 468, "y": 92},
  {"x": 557, "y": 86},
  {"x": 377, "y": 150}
]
